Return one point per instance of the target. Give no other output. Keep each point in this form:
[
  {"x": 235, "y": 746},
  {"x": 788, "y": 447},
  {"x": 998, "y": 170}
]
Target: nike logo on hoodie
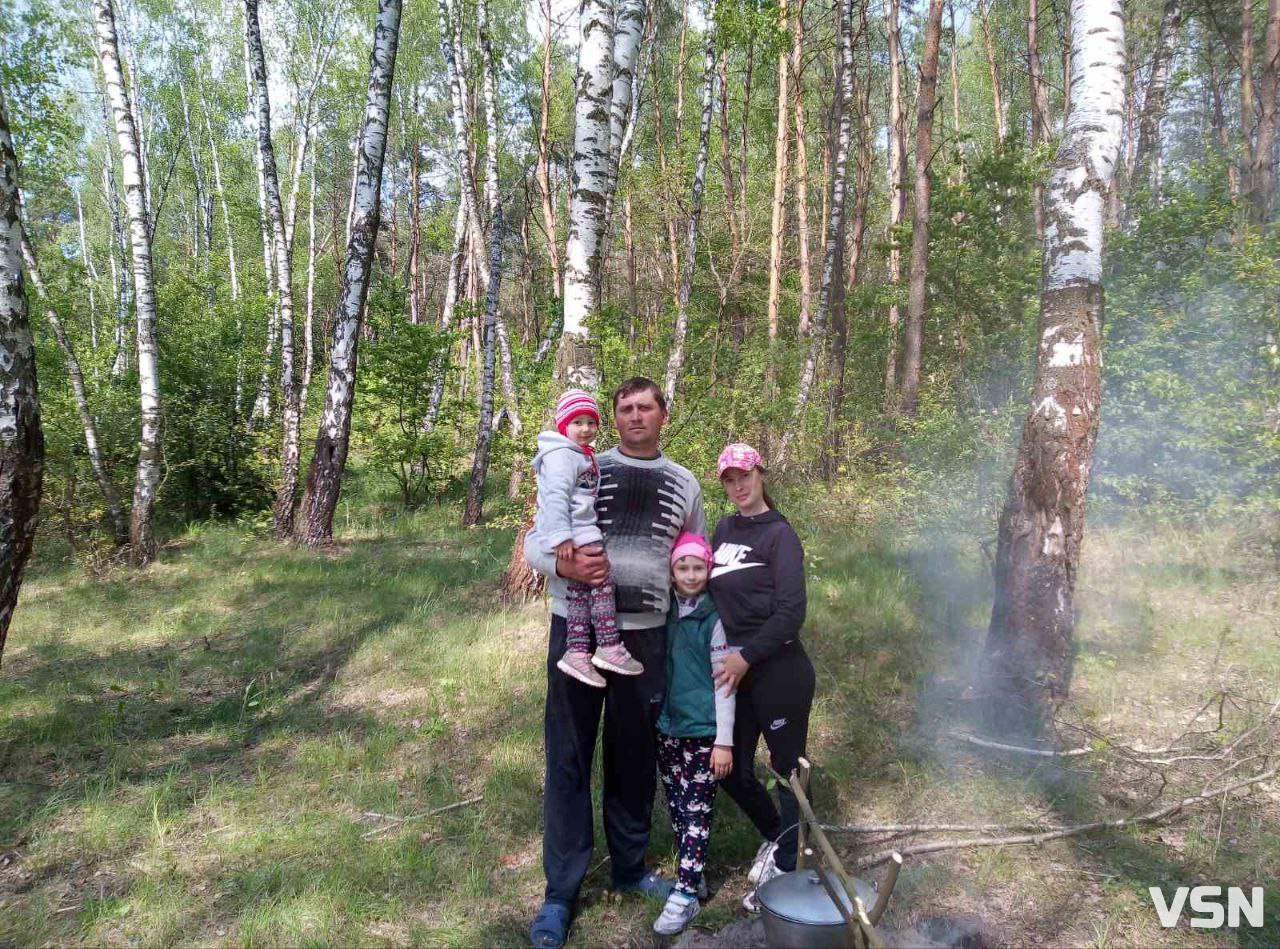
[{"x": 730, "y": 557}]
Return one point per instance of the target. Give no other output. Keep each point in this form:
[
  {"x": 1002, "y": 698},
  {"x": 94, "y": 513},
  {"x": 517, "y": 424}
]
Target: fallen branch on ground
[
  {"x": 934, "y": 828},
  {"x": 395, "y": 822},
  {"x": 1151, "y": 817},
  {"x": 1020, "y": 749}
]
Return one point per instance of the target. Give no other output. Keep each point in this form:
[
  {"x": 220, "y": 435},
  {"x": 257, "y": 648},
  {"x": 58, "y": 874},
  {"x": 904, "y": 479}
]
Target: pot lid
[{"x": 799, "y": 896}]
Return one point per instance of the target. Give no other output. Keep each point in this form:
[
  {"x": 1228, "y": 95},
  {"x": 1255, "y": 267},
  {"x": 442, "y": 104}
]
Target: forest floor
[{"x": 199, "y": 753}]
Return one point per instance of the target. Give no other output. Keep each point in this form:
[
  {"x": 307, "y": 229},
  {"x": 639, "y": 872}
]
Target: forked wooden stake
[{"x": 860, "y": 926}]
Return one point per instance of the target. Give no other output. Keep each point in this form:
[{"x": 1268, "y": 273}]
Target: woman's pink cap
[
  {"x": 691, "y": 545},
  {"x": 738, "y": 455}
]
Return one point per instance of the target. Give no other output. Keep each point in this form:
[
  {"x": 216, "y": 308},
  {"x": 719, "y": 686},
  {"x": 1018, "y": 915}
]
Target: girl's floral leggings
[{"x": 685, "y": 766}]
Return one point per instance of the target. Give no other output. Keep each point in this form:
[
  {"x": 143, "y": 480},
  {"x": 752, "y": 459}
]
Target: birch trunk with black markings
[
  {"x": 834, "y": 241},
  {"x": 21, "y": 437},
  {"x": 675, "y": 362},
  {"x": 328, "y": 462},
  {"x": 282, "y": 517},
  {"x": 1028, "y": 648},
  {"x": 147, "y": 477}
]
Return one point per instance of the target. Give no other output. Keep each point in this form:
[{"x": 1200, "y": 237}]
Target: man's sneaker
[
  {"x": 617, "y": 659},
  {"x": 764, "y": 857},
  {"x": 578, "y": 665},
  {"x": 651, "y": 884},
  {"x": 751, "y": 902},
  {"x": 677, "y": 914}
]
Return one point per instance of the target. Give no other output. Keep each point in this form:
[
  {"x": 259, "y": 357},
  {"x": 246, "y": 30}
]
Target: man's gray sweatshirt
[{"x": 643, "y": 506}]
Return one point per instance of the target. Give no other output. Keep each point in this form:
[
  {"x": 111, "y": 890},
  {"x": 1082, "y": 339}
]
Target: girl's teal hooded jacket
[{"x": 696, "y": 648}]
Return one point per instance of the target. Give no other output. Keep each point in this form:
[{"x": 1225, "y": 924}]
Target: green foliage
[
  {"x": 213, "y": 467},
  {"x": 398, "y": 369},
  {"x": 1191, "y": 384}
]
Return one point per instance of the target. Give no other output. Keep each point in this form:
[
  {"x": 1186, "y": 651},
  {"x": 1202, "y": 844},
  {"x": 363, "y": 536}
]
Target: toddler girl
[
  {"x": 695, "y": 727},
  {"x": 568, "y": 481}
]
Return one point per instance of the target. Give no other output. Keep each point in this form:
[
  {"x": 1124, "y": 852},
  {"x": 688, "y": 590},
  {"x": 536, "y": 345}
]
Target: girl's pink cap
[
  {"x": 738, "y": 455},
  {"x": 691, "y": 545}
]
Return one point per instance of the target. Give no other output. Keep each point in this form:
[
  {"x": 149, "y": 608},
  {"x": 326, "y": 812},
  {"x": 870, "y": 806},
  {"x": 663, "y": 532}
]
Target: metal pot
[{"x": 798, "y": 913}]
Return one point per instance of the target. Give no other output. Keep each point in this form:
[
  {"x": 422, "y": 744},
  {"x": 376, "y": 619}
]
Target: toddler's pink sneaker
[
  {"x": 578, "y": 664},
  {"x": 617, "y": 659}
]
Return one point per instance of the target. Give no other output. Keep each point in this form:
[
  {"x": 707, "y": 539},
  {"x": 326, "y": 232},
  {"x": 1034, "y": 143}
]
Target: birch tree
[
  {"x": 333, "y": 440},
  {"x": 778, "y": 220},
  {"x": 1147, "y": 161},
  {"x": 675, "y": 361},
  {"x": 896, "y": 169},
  {"x": 110, "y": 496},
  {"x": 589, "y": 195},
  {"x": 543, "y": 171},
  {"x": 147, "y": 477},
  {"x": 927, "y": 100},
  {"x": 834, "y": 240},
  {"x": 997, "y": 94},
  {"x": 282, "y": 519},
  {"x": 484, "y": 427},
  {"x": 21, "y": 437},
  {"x": 1028, "y": 649}
]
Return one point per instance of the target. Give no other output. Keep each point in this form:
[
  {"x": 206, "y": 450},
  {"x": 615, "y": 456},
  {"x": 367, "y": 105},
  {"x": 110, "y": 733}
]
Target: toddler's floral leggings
[
  {"x": 685, "y": 766},
  {"x": 591, "y": 607}
]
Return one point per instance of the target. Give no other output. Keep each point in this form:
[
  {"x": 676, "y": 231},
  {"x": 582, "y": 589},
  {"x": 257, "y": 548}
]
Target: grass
[{"x": 190, "y": 754}]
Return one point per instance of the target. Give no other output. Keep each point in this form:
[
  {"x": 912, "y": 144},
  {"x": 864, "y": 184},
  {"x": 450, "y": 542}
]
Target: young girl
[
  {"x": 695, "y": 726},
  {"x": 758, "y": 583},
  {"x": 568, "y": 481}
]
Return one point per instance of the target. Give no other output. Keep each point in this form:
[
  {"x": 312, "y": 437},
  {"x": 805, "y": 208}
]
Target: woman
[{"x": 757, "y": 583}]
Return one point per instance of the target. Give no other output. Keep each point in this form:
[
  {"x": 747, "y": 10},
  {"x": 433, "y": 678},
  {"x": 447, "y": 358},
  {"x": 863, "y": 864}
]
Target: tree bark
[
  {"x": 147, "y": 476},
  {"x": 927, "y": 98},
  {"x": 21, "y": 437},
  {"x": 675, "y": 362},
  {"x": 1039, "y": 104},
  {"x": 1028, "y": 649},
  {"x": 834, "y": 243},
  {"x": 544, "y": 160},
  {"x": 896, "y": 167},
  {"x": 324, "y": 481},
  {"x": 308, "y": 326},
  {"x": 123, "y": 288},
  {"x": 119, "y": 527},
  {"x": 204, "y": 223},
  {"x": 1147, "y": 161},
  {"x": 997, "y": 97},
  {"x": 834, "y": 448},
  {"x": 282, "y": 519},
  {"x": 778, "y": 220},
  {"x": 1247, "y": 117},
  {"x": 92, "y": 273},
  {"x": 592, "y": 161},
  {"x": 801, "y": 174},
  {"x": 232, "y": 272},
  {"x": 494, "y": 327},
  {"x": 1262, "y": 172}
]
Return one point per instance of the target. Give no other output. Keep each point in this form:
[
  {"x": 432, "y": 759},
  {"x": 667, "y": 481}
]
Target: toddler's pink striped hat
[{"x": 573, "y": 403}]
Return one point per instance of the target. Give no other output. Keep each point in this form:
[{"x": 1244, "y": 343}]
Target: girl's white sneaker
[
  {"x": 677, "y": 914},
  {"x": 751, "y": 902},
  {"x": 764, "y": 858}
]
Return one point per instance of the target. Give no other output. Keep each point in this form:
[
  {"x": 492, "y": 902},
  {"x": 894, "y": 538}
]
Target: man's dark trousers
[{"x": 631, "y": 705}]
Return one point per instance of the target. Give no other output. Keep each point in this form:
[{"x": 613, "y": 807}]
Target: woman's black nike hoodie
[{"x": 757, "y": 583}]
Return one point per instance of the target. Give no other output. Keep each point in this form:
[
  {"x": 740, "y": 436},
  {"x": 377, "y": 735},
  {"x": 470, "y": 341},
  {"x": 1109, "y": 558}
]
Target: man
[{"x": 645, "y": 502}]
